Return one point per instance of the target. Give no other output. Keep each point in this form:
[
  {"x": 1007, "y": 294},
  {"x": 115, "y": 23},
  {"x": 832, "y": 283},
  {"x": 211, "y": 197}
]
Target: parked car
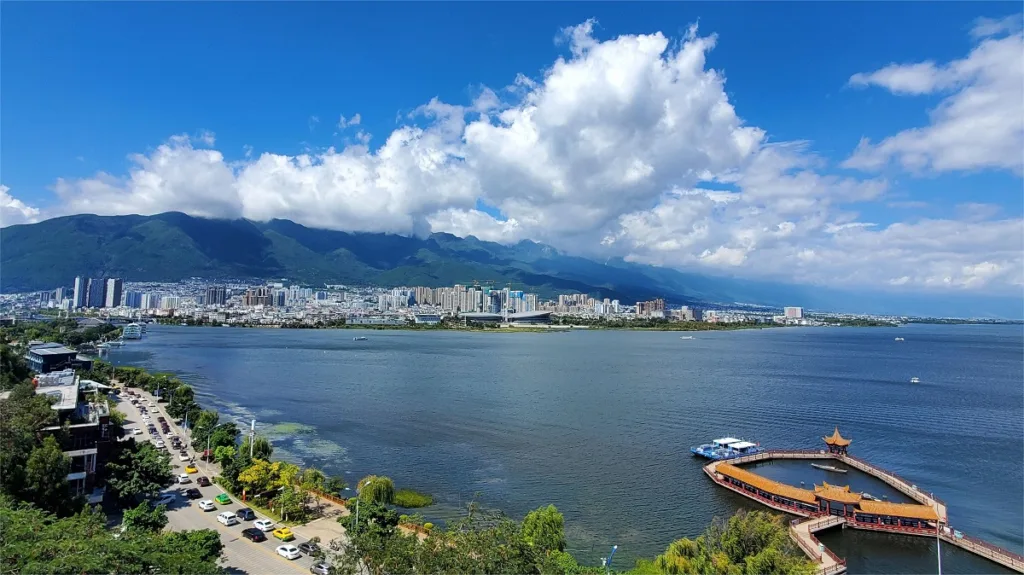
[
  {"x": 284, "y": 534},
  {"x": 203, "y": 482},
  {"x": 137, "y": 431},
  {"x": 184, "y": 478},
  {"x": 320, "y": 569},
  {"x": 223, "y": 499},
  {"x": 245, "y": 514},
  {"x": 254, "y": 535},
  {"x": 160, "y": 444},
  {"x": 263, "y": 524},
  {"x": 309, "y": 548},
  {"x": 227, "y": 518},
  {"x": 193, "y": 493},
  {"x": 207, "y": 505},
  {"x": 288, "y": 552}
]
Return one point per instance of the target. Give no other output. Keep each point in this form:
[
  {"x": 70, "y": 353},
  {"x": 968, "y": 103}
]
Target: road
[{"x": 240, "y": 554}]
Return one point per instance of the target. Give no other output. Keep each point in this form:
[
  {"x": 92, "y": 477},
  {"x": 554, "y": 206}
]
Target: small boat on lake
[
  {"x": 726, "y": 448},
  {"x": 869, "y": 496},
  {"x": 829, "y": 468},
  {"x": 899, "y": 339},
  {"x": 686, "y": 337},
  {"x": 915, "y": 380},
  {"x": 360, "y": 338}
]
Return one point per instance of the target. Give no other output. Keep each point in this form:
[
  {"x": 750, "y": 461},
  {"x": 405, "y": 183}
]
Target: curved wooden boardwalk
[{"x": 802, "y": 531}]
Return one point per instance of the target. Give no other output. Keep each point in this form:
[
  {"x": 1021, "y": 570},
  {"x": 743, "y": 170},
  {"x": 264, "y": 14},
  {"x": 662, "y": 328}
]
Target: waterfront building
[
  {"x": 216, "y": 295},
  {"x": 133, "y": 299},
  {"x": 256, "y": 296},
  {"x": 793, "y": 312},
  {"x": 171, "y": 302},
  {"x": 539, "y": 317},
  {"x": 96, "y": 293},
  {"x": 150, "y": 301},
  {"x": 426, "y": 318},
  {"x": 83, "y": 427},
  {"x": 47, "y": 357},
  {"x": 80, "y": 291},
  {"x": 112, "y": 292},
  {"x": 651, "y": 308}
]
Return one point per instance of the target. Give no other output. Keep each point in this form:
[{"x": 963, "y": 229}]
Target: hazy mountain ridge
[{"x": 173, "y": 246}]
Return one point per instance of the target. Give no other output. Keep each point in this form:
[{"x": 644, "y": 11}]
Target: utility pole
[
  {"x": 938, "y": 544},
  {"x": 252, "y": 437}
]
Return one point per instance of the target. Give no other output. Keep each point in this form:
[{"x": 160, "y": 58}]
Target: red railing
[{"x": 812, "y": 550}]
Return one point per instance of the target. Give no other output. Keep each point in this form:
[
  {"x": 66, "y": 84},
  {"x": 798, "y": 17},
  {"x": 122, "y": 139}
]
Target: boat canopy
[
  {"x": 743, "y": 445},
  {"x": 726, "y": 441}
]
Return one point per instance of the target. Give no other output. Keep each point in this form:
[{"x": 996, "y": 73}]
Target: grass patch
[{"x": 410, "y": 499}]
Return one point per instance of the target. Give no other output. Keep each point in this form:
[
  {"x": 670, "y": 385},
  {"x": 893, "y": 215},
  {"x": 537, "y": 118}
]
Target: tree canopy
[
  {"x": 137, "y": 470},
  {"x": 376, "y": 489},
  {"x": 753, "y": 543}
]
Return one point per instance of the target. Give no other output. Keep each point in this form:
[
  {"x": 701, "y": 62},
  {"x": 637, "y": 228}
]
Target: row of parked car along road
[{"x": 256, "y": 533}]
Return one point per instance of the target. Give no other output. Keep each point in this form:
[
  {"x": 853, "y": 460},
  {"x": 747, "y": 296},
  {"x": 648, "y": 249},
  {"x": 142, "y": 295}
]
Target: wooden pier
[{"x": 830, "y": 506}]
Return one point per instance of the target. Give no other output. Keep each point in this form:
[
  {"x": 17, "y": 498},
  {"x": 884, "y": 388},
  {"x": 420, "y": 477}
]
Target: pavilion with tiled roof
[{"x": 837, "y": 443}]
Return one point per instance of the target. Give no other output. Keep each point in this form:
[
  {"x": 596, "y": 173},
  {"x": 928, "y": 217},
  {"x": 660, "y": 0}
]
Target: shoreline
[{"x": 689, "y": 327}]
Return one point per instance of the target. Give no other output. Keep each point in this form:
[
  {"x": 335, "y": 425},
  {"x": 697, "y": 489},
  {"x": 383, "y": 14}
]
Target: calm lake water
[{"x": 600, "y": 423}]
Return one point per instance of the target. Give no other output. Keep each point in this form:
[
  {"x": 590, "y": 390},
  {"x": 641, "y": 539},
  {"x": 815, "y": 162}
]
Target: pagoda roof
[
  {"x": 908, "y": 510},
  {"x": 836, "y": 493},
  {"x": 765, "y": 484},
  {"x": 836, "y": 439}
]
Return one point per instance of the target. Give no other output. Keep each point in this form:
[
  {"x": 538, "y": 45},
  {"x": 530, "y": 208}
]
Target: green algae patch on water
[
  {"x": 288, "y": 429},
  {"x": 410, "y": 499}
]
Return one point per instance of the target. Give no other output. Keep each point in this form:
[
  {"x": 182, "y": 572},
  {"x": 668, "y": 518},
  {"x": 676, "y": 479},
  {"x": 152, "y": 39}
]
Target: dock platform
[{"x": 830, "y": 506}]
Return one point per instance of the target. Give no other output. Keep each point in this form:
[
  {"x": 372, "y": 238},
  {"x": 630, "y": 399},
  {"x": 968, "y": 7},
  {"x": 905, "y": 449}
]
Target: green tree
[
  {"x": 748, "y": 544},
  {"x": 224, "y": 454},
  {"x": 46, "y": 478},
  {"x": 22, "y": 415},
  {"x": 334, "y": 485},
  {"x": 224, "y": 435},
  {"x": 145, "y": 517},
  {"x": 376, "y": 489},
  {"x": 203, "y": 427},
  {"x": 261, "y": 448},
  {"x": 182, "y": 398},
  {"x": 312, "y": 481},
  {"x": 14, "y": 369},
  {"x": 545, "y": 528},
  {"x": 137, "y": 470}
]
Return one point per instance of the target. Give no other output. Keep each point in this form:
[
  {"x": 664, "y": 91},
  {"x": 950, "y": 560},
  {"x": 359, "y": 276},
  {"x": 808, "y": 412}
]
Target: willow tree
[{"x": 374, "y": 489}]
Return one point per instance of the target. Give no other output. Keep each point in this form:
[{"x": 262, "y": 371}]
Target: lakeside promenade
[{"x": 830, "y": 506}]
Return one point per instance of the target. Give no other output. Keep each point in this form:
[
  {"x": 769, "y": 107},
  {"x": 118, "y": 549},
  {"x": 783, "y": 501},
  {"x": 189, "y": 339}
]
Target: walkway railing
[
  {"x": 812, "y": 548},
  {"x": 986, "y": 550}
]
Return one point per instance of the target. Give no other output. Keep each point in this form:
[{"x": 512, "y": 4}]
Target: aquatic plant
[{"x": 411, "y": 499}]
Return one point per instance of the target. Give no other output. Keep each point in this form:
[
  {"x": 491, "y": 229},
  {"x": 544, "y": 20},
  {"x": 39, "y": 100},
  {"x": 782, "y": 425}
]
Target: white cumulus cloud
[
  {"x": 979, "y": 124},
  {"x": 14, "y": 211}
]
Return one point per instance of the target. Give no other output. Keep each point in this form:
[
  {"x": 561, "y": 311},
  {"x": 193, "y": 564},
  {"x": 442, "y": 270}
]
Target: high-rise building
[
  {"x": 794, "y": 312},
  {"x": 133, "y": 299},
  {"x": 216, "y": 295},
  {"x": 97, "y": 293},
  {"x": 80, "y": 291},
  {"x": 112, "y": 297},
  {"x": 150, "y": 301},
  {"x": 170, "y": 302},
  {"x": 256, "y": 296}
]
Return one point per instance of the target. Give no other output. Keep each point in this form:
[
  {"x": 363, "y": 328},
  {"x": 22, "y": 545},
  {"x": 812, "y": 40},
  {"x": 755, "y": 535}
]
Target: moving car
[
  {"x": 284, "y": 534},
  {"x": 193, "y": 493},
  {"x": 203, "y": 481},
  {"x": 254, "y": 535},
  {"x": 245, "y": 514},
  {"x": 309, "y": 548},
  {"x": 207, "y": 505},
  {"x": 288, "y": 552},
  {"x": 184, "y": 478},
  {"x": 227, "y": 518},
  {"x": 223, "y": 499},
  {"x": 264, "y": 525},
  {"x": 191, "y": 469},
  {"x": 320, "y": 569},
  {"x": 183, "y": 456}
]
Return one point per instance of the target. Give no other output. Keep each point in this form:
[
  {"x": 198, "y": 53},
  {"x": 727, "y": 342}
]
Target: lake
[{"x": 600, "y": 423}]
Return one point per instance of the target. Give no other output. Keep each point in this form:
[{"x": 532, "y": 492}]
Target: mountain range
[{"x": 173, "y": 246}]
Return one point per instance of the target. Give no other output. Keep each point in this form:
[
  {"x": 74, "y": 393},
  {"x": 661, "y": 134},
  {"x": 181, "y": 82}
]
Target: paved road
[{"x": 240, "y": 554}]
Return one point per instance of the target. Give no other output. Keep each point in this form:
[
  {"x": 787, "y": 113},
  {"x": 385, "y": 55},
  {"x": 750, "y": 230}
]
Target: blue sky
[{"x": 88, "y": 85}]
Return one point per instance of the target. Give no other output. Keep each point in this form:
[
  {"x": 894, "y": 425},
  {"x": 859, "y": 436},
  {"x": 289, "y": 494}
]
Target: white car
[
  {"x": 184, "y": 478},
  {"x": 171, "y": 434},
  {"x": 145, "y": 417},
  {"x": 227, "y": 518},
  {"x": 263, "y": 524},
  {"x": 288, "y": 551},
  {"x": 183, "y": 457},
  {"x": 160, "y": 444},
  {"x": 151, "y": 404},
  {"x": 165, "y": 499},
  {"x": 207, "y": 505},
  {"x": 137, "y": 431}
]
